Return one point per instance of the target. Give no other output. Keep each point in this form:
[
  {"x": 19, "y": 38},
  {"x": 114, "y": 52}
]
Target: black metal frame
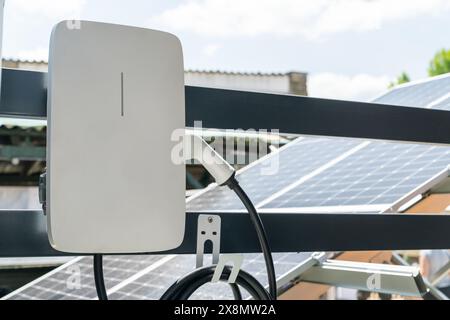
[{"x": 23, "y": 233}]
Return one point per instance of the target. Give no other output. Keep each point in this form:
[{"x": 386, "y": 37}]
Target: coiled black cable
[{"x": 185, "y": 287}]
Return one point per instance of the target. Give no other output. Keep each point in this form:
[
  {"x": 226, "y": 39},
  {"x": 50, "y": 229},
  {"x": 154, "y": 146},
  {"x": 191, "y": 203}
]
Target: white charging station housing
[{"x": 115, "y": 96}]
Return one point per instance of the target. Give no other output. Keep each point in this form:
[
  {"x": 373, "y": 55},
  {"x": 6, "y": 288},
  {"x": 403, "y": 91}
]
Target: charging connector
[{"x": 195, "y": 148}]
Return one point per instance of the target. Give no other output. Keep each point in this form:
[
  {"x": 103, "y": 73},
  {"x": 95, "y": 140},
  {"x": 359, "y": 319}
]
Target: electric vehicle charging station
[{"x": 114, "y": 82}]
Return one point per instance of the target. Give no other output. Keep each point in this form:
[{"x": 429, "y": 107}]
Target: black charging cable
[
  {"x": 188, "y": 285},
  {"x": 233, "y": 184},
  {"x": 99, "y": 278},
  {"x": 184, "y": 288}
]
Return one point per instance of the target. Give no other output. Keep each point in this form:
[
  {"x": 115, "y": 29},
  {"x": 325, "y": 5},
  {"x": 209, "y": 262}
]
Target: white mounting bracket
[
  {"x": 236, "y": 260},
  {"x": 208, "y": 229}
]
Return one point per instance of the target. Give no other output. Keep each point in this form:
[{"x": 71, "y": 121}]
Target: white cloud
[
  {"x": 211, "y": 49},
  {"x": 361, "y": 87},
  {"x": 38, "y": 54},
  {"x": 55, "y": 9},
  {"x": 291, "y": 17}
]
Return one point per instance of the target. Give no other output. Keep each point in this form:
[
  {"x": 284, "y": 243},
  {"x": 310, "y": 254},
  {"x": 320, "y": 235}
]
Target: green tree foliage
[
  {"x": 440, "y": 63},
  {"x": 402, "y": 78}
]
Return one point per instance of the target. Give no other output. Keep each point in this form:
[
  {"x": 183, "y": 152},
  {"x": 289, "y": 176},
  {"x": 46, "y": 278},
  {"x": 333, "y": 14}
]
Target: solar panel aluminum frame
[
  {"x": 24, "y": 96},
  {"x": 401, "y": 280},
  {"x": 411, "y": 198}
]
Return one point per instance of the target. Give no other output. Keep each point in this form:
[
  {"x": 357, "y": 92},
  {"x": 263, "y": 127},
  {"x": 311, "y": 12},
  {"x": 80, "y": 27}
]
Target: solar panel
[
  {"x": 312, "y": 173},
  {"x": 380, "y": 173},
  {"x": 376, "y": 173},
  {"x": 140, "y": 277},
  {"x": 419, "y": 94},
  {"x": 295, "y": 161}
]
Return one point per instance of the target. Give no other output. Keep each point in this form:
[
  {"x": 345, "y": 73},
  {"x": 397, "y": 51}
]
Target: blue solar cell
[
  {"x": 419, "y": 94},
  {"x": 127, "y": 279},
  {"x": 380, "y": 173},
  {"x": 294, "y": 162}
]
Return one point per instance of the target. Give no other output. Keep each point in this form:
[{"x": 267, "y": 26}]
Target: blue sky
[{"x": 351, "y": 48}]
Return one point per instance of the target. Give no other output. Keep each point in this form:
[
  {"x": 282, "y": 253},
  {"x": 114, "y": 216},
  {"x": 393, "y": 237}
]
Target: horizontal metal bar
[
  {"x": 292, "y": 232},
  {"x": 23, "y": 233},
  {"x": 24, "y": 95},
  {"x": 224, "y": 109},
  {"x": 26, "y": 152}
]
